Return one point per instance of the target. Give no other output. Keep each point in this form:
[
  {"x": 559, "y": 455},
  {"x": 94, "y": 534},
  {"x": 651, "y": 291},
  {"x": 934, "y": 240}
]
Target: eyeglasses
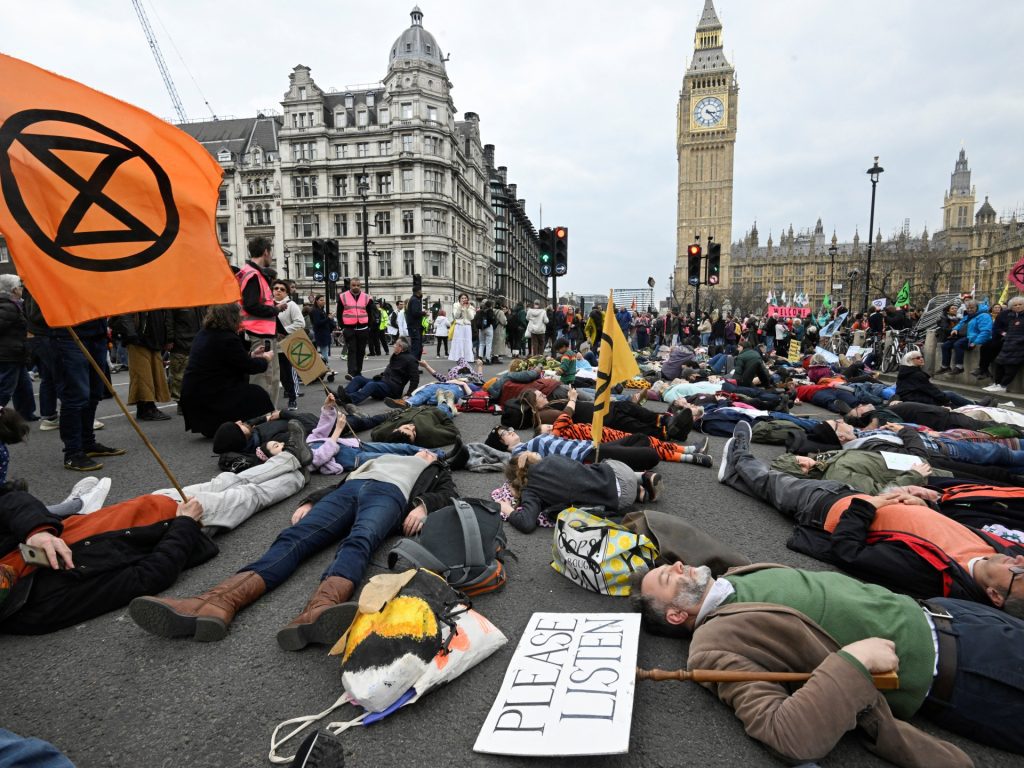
[
  {"x": 1016, "y": 570},
  {"x": 279, "y": 288}
]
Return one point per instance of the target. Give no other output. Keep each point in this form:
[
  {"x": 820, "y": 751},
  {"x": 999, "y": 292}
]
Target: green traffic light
[
  {"x": 545, "y": 257},
  {"x": 317, "y": 265}
]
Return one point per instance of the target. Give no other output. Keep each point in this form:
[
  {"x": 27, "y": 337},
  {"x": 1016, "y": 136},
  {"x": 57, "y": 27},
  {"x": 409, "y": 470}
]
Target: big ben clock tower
[{"x": 705, "y": 140}]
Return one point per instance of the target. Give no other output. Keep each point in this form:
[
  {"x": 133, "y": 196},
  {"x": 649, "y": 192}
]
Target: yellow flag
[
  {"x": 1005, "y": 294},
  {"x": 615, "y": 365}
]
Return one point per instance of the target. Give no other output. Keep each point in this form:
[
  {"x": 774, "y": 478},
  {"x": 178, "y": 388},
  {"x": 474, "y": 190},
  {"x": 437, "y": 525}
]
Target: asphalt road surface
[{"x": 109, "y": 694}]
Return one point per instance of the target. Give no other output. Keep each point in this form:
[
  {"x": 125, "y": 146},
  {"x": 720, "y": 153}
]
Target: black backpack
[
  {"x": 463, "y": 543},
  {"x": 516, "y": 414},
  {"x": 229, "y": 461}
]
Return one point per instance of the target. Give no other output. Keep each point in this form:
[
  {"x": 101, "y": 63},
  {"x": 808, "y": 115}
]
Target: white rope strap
[{"x": 305, "y": 721}]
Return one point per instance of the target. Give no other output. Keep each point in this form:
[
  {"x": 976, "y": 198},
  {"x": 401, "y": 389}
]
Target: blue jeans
[
  {"x": 987, "y": 698},
  {"x": 949, "y": 346},
  {"x": 956, "y": 398},
  {"x": 362, "y": 388},
  {"x": 984, "y": 453},
  {"x": 42, "y": 356},
  {"x": 360, "y": 514},
  {"x": 10, "y": 373},
  {"x": 19, "y": 750},
  {"x": 428, "y": 394},
  {"x": 325, "y": 352},
  {"x": 350, "y": 457},
  {"x": 717, "y": 363},
  {"x": 79, "y": 388}
]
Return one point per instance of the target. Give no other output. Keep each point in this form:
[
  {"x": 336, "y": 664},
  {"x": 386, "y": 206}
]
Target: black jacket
[
  {"x": 12, "y": 331},
  {"x": 889, "y": 558},
  {"x": 152, "y": 330},
  {"x": 913, "y": 384},
  {"x": 403, "y": 369},
  {"x": 556, "y": 482},
  {"x": 414, "y": 313},
  {"x": 185, "y": 324},
  {"x": 935, "y": 417},
  {"x": 1012, "y": 352},
  {"x": 110, "y": 568}
]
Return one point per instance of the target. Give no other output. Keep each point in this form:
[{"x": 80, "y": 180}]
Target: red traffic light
[
  {"x": 560, "y": 233},
  {"x": 694, "y": 249}
]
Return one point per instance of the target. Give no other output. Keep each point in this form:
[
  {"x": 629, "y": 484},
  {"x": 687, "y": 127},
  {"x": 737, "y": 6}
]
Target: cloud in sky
[{"x": 580, "y": 98}]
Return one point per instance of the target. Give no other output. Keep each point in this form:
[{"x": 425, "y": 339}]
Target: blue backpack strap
[{"x": 416, "y": 554}]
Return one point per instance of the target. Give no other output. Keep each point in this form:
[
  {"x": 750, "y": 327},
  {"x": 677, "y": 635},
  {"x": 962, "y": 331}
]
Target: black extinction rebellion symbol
[{"x": 42, "y": 146}]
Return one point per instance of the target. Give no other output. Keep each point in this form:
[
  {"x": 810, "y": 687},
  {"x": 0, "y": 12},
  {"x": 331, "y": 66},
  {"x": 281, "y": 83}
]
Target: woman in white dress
[{"x": 462, "y": 339}]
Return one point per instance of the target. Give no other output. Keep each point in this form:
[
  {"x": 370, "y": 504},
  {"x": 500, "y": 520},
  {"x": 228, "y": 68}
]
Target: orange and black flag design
[
  {"x": 616, "y": 364},
  {"x": 106, "y": 208}
]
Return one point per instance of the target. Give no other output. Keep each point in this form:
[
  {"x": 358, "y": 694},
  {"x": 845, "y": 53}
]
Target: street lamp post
[
  {"x": 832, "y": 251},
  {"x": 874, "y": 172},
  {"x": 364, "y": 191},
  {"x": 287, "y": 268}
]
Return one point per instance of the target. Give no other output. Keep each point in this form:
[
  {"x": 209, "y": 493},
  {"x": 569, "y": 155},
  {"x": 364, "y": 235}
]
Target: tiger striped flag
[{"x": 615, "y": 365}]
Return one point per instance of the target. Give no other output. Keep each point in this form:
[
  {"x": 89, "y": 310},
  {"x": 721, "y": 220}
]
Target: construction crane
[{"x": 161, "y": 65}]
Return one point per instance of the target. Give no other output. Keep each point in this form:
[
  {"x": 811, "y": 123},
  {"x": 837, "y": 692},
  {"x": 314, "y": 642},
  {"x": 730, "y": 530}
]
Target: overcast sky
[{"x": 580, "y": 98}]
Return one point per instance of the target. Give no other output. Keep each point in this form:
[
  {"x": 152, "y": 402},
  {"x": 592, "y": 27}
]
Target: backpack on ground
[
  {"x": 516, "y": 414},
  {"x": 463, "y": 542},
  {"x": 478, "y": 402},
  {"x": 230, "y": 461},
  {"x": 598, "y": 554}
]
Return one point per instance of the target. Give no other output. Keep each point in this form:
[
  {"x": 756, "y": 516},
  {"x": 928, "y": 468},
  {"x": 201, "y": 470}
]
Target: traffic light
[
  {"x": 332, "y": 260},
  {"x": 546, "y": 253},
  {"x": 714, "y": 263},
  {"x": 560, "y": 236},
  {"x": 318, "y": 260},
  {"x": 694, "y": 255}
]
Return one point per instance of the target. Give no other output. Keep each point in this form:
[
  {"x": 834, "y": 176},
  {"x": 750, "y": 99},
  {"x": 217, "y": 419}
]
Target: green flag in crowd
[
  {"x": 903, "y": 297},
  {"x": 827, "y": 302}
]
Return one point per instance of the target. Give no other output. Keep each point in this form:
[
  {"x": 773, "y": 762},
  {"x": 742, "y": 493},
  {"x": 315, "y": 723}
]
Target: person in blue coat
[{"x": 974, "y": 329}]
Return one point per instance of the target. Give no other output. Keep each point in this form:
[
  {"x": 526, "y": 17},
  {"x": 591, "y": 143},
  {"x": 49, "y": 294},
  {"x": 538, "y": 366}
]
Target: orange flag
[{"x": 106, "y": 208}]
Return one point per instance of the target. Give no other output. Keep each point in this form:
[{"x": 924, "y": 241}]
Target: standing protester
[
  {"x": 536, "y": 323},
  {"x": 414, "y": 315},
  {"x": 500, "y": 349},
  {"x": 78, "y": 386},
  {"x": 323, "y": 327},
  {"x": 462, "y": 338},
  {"x": 41, "y": 357},
  {"x": 288, "y": 321},
  {"x": 147, "y": 335},
  {"x": 13, "y": 330},
  {"x": 354, "y": 314},
  {"x": 485, "y": 327},
  {"x": 259, "y": 312},
  {"x": 1011, "y": 354},
  {"x": 186, "y": 323},
  {"x": 441, "y": 326}
]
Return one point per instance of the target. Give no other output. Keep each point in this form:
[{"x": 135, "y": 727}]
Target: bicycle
[{"x": 898, "y": 344}]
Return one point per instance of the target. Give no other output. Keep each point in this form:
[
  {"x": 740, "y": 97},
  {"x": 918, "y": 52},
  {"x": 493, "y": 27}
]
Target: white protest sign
[
  {"x": 568, "y": 689},
  {"x": 900, "y": 462}
]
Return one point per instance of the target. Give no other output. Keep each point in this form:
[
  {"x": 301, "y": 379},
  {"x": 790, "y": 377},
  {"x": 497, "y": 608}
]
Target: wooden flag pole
[
  {"x": 887, "y": 681},
  {"x": 328, "y": 391},
  {"x": 131, "y": 419}
]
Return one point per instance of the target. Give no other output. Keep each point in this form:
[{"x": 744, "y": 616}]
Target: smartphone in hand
[{"x": 37, "y": 556}]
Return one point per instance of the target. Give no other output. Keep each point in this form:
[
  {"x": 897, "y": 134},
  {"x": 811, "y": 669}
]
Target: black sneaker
[
  {"x": 81, "y": 463},
  {"x": 99, "y": 449},
  {"x": 943, "y": 370},
  {"x": 701, "y": 444},
  {"x": 652, "y": 485},
  {"x": 701, "y": 460}
]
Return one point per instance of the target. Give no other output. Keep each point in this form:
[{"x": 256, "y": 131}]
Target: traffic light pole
[{"x": 554, "y": 292}]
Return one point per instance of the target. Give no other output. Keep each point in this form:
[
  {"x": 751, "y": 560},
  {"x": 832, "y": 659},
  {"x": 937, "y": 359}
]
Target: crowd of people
[{"x": 914, "y": 491}]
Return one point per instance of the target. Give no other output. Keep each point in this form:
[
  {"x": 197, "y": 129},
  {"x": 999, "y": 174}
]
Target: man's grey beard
[{"x": 690, "y": 594}]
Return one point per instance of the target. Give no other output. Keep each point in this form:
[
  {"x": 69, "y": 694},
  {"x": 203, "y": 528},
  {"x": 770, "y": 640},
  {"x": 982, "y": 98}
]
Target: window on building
[
  {"x": 222, "y": 197},
  {"x": 798, "y": 270},
  {"x": 778, "y": 271},
  {"x": 305, "y": 225},
  {"x": 407, "y": 142},
  {"x": 363, "y": 149},
  {"x": 407, "y": 223},
  {"x": 382, "y": 220},
  {"x": 302, "y": 92},
  {"x": 341, "y": 225},
  {"x": 758, "y": 271},
  {"x": 384, "y": 148},
  {"x": 348, "y": 101},
  {"x": 304, "y": 186},
  {"x": 408, "y": 262},
  {"x": 431, "y": 145},
  {"x": 384, "y": 116},
  {"x": 435, "y": 263},
  {"x": 340, "y": 186},
  {"x": 369, "y": 99},
  {"x": 222, "y": 235},
  {"x": 359, "y": 223},
  {"x": 361, "y": 119},
  {"x": 5, "y": 255},
  {"x": 343, "y": 264},
  {"x": 434, "y": 222},
  {"x": 407, "y": 110},
  {"x": 340, "y": 119},
  {"x": 384, "y": 183},
  {"x": 384, "y": 263},
  {"x": 407, "y": 180},
  {"x": 432, "y": 113},
  {"x": 819, "y": 287},
  {"x": 820, "y": 269},
  {"x": 433, "y": 181},
  {"x": 341, "y": 151},
  {"x": 361, "y": 264}
]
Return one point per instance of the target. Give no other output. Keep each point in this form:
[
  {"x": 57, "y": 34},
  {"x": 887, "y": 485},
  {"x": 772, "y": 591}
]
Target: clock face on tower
[{"x": 708, "y": 112}]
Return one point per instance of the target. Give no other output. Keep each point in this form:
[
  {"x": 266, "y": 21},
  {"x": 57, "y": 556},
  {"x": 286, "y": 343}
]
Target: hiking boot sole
[
  {"x": 723, "y": 466},
  {"x": 160, "y": 619},
  {"x": 326, "y": 630}
]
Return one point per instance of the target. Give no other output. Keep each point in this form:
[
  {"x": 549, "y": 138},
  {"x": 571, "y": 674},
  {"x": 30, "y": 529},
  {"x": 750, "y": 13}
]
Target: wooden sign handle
[{"x": 887, "y": 681}]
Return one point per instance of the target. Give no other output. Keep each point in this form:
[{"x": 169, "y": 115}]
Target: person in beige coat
[{"x": 536, "y": 328}]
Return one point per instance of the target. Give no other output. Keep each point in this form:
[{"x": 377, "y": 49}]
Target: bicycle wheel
[
  {"x": 891, "y": 358},
  {"x": 839, "y": 344}
]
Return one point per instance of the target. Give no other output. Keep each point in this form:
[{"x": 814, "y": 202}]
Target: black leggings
[
  {"x": 442, "y": 340},
  {"x": 634, "y": 451},
  {"x": 623, "y": 415}
]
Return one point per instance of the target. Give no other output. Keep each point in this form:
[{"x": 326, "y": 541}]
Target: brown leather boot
[
  {"x": 206, "y": 617},
  {"x": 327, "y": 614}
]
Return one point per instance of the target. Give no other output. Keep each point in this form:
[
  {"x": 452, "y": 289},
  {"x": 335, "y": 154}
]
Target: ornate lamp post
[
  {"x": 364, "y": 190},
  {"x": 874, "y": 172},
  {"x": 832, "y": 251}
]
